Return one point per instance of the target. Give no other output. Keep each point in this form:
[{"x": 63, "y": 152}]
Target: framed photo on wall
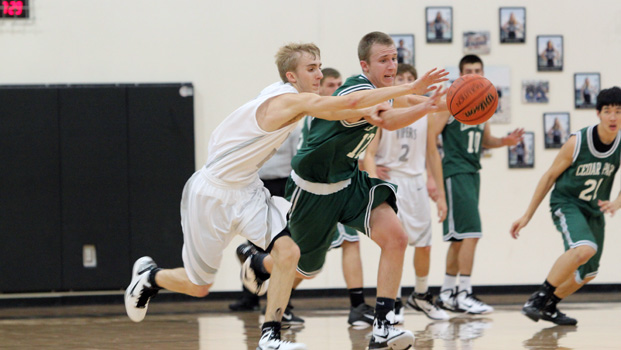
[
  {"x": 535, "y": 91},
  {"x": 439, "y": 24},
  {"x": 476, "y": 43},
  {"x": 549, "y": 53},
  {"x": 522, "y": 155},
  {"x": 405, "y": 47},
  {"x": 556, "y": 129},
  {"x": 512, "y": 24},
  {"x": 586, "y": 89}
]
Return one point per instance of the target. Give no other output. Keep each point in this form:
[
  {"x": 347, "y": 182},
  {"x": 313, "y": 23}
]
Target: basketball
[{"x": 472, "y": 99}]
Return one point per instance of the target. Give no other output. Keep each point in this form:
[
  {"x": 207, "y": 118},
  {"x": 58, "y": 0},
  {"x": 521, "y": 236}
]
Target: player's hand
[
  {"x": 518, "y": 225},
  {"x": 514, "y": 137},
  {"x": 434, "y": 103},
  {"x": 382, "y": 172},
  {"x": 425, "y": 83},
  {"x": 432, "y": 190},
  {"x": 375, "y": 118},
  {"x": 607, "y": 207},
  {"x": 442, "y": 208}
]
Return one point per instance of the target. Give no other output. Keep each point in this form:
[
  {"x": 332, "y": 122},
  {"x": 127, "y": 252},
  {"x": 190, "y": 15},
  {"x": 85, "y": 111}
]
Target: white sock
[
  {"x": 421, "y": 286},
  {"x": 450, "y": 282},
  {"x": 464, "y": 283}
]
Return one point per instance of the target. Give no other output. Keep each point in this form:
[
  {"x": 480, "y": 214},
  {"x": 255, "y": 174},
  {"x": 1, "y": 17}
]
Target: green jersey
[
  {"x": 590, "y": 176},
  {"x": 330, "y": 149},
  {"x": 462, "y": 148}
]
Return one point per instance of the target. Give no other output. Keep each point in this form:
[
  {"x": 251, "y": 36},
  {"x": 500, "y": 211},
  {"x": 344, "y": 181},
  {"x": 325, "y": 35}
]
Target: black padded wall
[
  {"x": 161, "y": 159},
  {"x": 94, "y": 163},
  {"x": 30, "y": 227},
  {"x": 99, "y": 165}
]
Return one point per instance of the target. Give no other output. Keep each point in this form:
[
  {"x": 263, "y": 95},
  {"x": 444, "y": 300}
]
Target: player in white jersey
[
  {"x": 404, "y": 155},
  {"x": 226, "y": 197}
]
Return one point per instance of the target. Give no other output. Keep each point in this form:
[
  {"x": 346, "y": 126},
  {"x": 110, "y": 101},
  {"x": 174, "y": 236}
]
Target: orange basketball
[{"x": 472, "y": 99}]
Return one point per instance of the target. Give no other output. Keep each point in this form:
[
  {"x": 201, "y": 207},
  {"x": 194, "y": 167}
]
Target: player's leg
[
  {"x": 360, "y": 313},
  {"x": 415, "y": 216},
  {"x": 387, "y": 232},
  {"x": 372, "y": 209},
  {"x": 200, "y": 265},
  {"x": 583, "y": 242},
  {"x": 464, "y": 224},
  {"x": 284, "y": 255}
]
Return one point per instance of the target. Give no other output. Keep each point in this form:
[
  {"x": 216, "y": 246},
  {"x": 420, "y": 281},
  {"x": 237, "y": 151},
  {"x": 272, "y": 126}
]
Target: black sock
[
  {"x": 383, "y": 306},
  {"x": 273, "y": 326},
  {"x": 356, "y": 296},
  {"x": 547, "y": 288},
  {"x": 152, "y": 278},
  {"x": 256, "y": 263}
]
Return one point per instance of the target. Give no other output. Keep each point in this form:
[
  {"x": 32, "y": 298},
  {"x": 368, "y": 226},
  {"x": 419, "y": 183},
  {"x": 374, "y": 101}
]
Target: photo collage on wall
[{"x": 549, "y": 59}]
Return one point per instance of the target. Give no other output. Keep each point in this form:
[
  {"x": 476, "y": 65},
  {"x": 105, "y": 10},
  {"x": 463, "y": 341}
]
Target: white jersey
[
  {"x": 404, "y": 150},
  {"x": 239, "y": 147}
]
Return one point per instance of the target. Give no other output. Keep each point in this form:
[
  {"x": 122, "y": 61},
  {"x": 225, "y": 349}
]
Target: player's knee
[
  {"x": 583, "y": 253},
  {"x": 199, "y": 291},
  {"x": 398, "y": 240},
  {"x": 288, "y": 253}
]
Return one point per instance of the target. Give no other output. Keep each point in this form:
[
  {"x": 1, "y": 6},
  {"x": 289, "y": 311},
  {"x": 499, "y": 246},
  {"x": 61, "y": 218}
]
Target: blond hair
[{"x": 288, "y": 56}]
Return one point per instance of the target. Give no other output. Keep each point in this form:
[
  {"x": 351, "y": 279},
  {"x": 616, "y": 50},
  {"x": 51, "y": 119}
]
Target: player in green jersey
[
  {"x": 462, "y": 227},
  {"x": 582, "y": 174},
  {"x": 327, "y": 187}
]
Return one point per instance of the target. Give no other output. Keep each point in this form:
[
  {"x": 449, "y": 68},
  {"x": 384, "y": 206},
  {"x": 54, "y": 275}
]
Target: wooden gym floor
[{"x": 210, "y": 325}]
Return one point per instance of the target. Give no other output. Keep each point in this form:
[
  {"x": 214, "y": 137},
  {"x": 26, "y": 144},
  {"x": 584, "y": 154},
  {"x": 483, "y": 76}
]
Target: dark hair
[
  {"x": 404, "y": 68},
  {"x": 469, "y": 59},
  {"x": 609, "y": 97},
  {"x": 329, "y": 72},
  {"x": 367, "y": 41}
]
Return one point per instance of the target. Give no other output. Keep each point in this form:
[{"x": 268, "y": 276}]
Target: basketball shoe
[
  {"x": 386, "y": 336},
  {"x": 361, "y": 315},
  {"x": 535, "y": 304},
  {"x": 270, "y": 340},
  {"x": 399, "y": 311},
  {"x": 552, "y": 314},
  {"x": 140, "y": 291},
  {"x": 446, "y": 300},
  {"x": 471, "y": 304},
  {"x": 250, "y": 279},
  {"x": 424, "y": 303}
]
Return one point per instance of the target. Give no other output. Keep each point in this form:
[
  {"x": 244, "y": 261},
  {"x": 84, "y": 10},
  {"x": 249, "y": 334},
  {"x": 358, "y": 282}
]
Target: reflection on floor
[{"x": 208, "y": 325}]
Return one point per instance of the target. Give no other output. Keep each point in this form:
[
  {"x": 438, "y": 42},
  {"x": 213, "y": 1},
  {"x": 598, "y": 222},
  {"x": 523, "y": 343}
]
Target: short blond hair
[
  {"x": 367, "y": 41},
  {"x": 288, "y": 56}
]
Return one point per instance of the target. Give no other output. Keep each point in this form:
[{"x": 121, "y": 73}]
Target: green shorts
[
  {"x": 313, "y": 217},
  {"x": 462, "y": 198},
  {"x": 342, "y": 234},
  {"x": 580, "y": 229}
]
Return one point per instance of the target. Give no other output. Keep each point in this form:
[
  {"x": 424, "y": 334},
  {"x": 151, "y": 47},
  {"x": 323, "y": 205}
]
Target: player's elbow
[{"x": 352, "y": 101}]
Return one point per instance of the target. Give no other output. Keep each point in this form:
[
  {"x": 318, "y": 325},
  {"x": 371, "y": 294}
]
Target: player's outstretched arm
[
  {"x": 562, "y": 161},
  {"x": 398, "y": 118},
  {"x": 512, "y": 139}
]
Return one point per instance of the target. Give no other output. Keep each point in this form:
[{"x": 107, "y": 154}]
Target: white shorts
[
  {"x": 414, "y": 209},
  {"x": 213, "y": 212}
]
